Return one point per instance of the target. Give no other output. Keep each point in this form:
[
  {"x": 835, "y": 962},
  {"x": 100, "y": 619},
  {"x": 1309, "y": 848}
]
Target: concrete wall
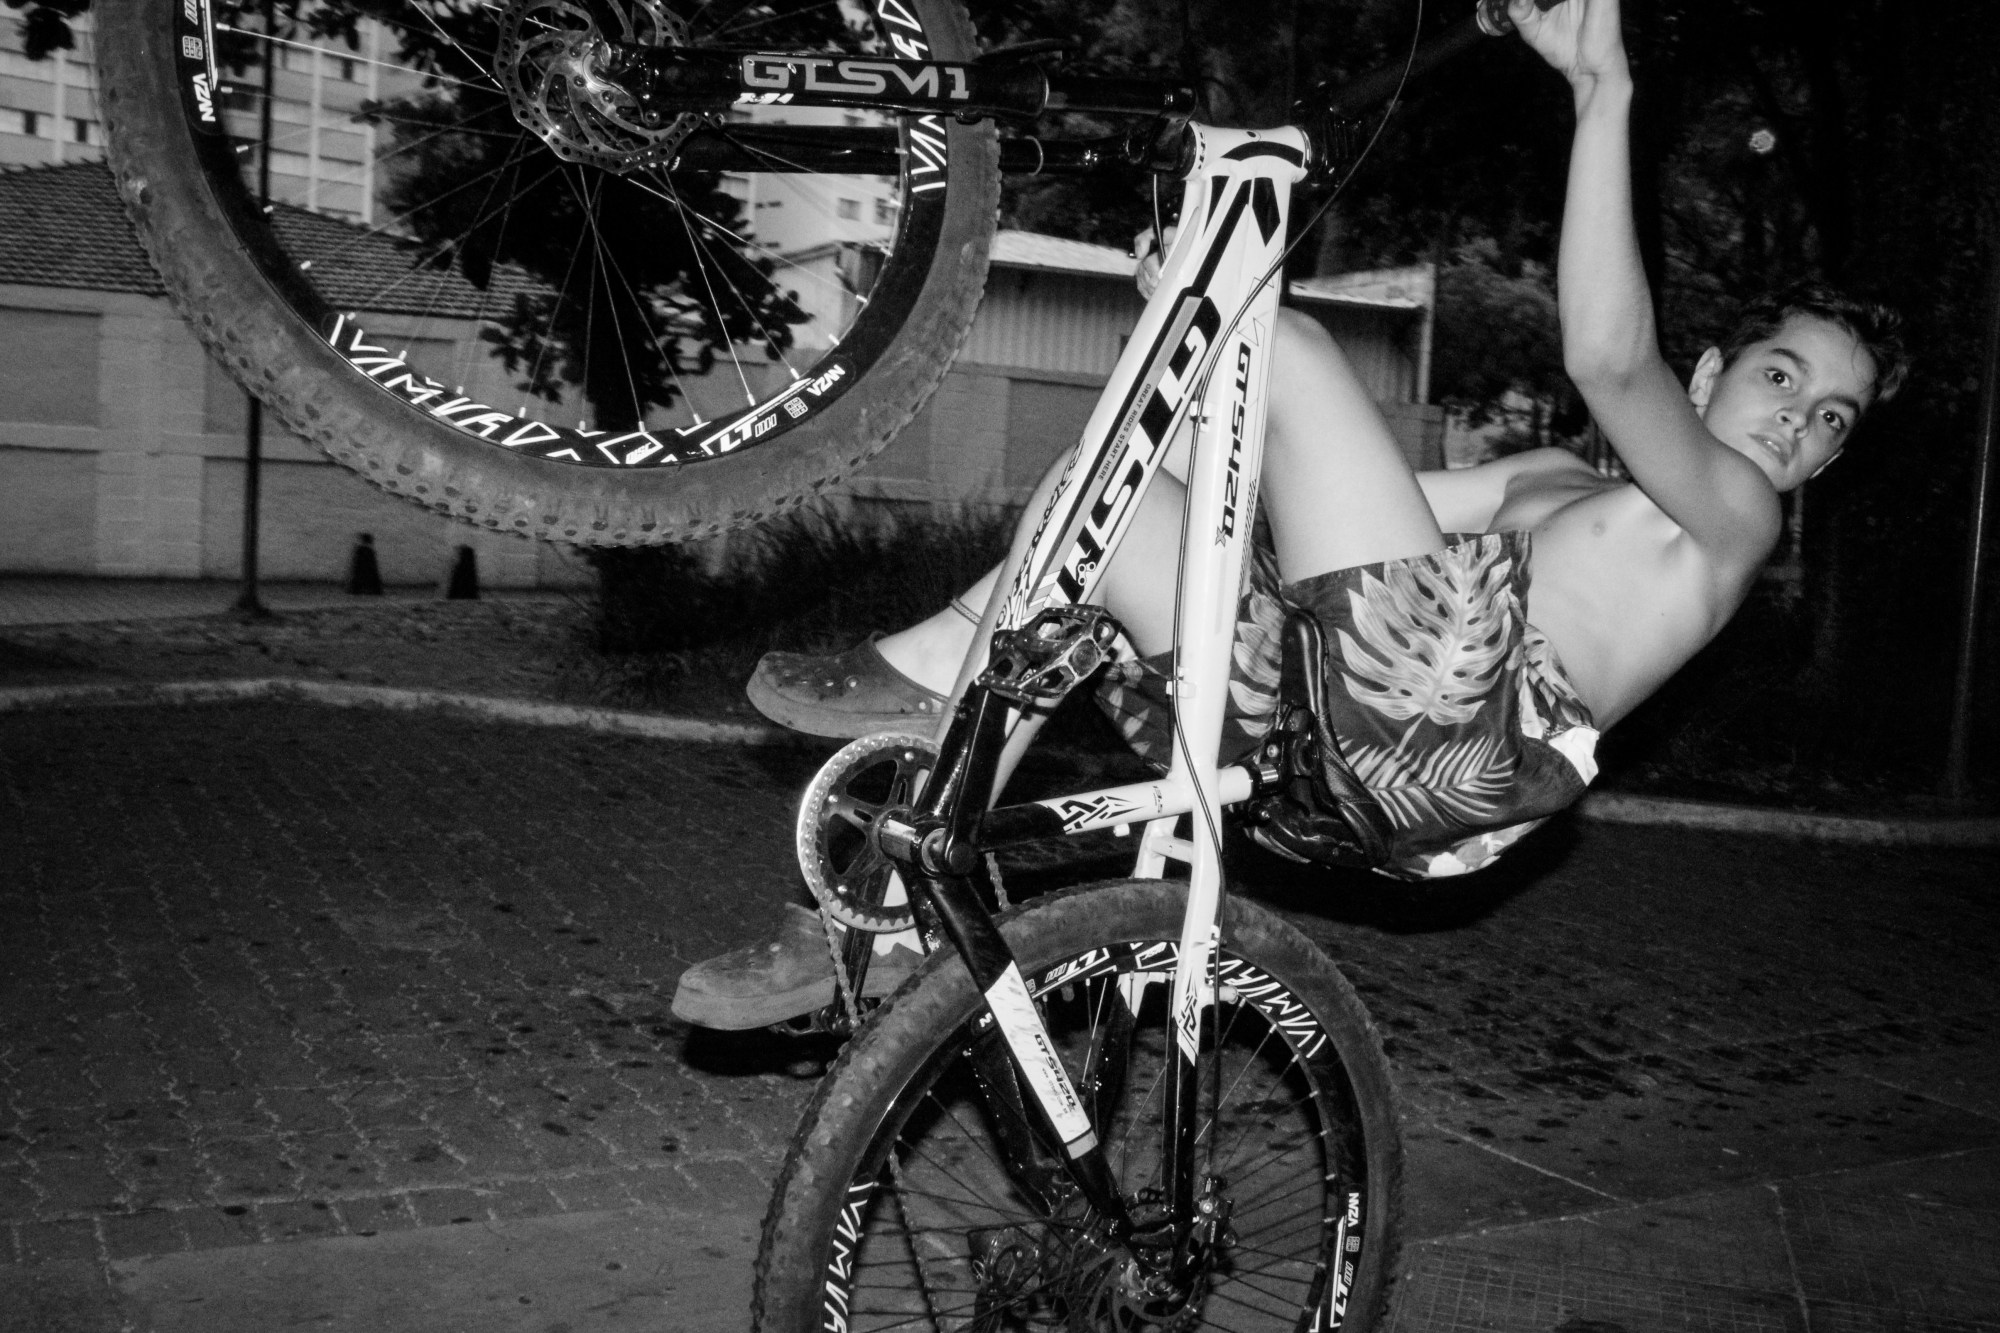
[{"x": 121, "y": 454}]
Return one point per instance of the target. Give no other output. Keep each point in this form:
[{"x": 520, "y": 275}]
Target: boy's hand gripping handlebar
[{"x": 1493, "y": 20}]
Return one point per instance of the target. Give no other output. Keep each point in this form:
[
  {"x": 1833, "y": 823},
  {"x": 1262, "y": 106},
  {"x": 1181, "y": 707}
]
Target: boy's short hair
[{"x": 1877, "y": 327}]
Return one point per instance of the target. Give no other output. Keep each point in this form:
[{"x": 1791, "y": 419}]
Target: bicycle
[{"x": 1143, "y": 1103}]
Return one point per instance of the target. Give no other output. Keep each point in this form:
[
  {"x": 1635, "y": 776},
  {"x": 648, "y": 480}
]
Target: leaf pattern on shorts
[
  {"x": 1433, "y": 634},
  {"x": 1460, "y": 783},
  {"x": 1259, "y": 654},
  {"x": 1546, "y": 687}
]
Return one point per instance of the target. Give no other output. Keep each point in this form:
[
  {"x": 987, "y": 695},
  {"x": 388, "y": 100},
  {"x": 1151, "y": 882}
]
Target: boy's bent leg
[
  {"x": 1337, "y": 488},
  {"x": 904, "y": 680}
]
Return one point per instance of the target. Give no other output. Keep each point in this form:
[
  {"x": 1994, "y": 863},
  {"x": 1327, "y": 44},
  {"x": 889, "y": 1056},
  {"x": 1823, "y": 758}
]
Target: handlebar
[
  {"x": 1007, "y": 84},
  {"x": 1361, "y": 95}
]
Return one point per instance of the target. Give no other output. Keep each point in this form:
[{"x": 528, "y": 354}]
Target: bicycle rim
[
  {"x": 933, "y": 1230},
  {"x": 523, "y": 280}
]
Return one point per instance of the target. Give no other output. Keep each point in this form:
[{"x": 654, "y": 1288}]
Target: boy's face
[{"x": 1787, "y": 403}]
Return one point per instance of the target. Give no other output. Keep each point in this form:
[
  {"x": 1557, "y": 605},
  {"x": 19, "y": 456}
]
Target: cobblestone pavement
[{"x": 271, "y": 974}]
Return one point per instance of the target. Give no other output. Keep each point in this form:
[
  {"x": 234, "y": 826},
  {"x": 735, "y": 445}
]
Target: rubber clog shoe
[
  {"x": 846, "y": 695},
  {"x": 779, "y": 978}
]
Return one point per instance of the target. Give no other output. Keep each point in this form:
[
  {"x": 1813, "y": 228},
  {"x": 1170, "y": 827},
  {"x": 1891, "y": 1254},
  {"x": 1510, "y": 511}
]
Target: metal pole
[
  {"x": 1956, "y": 760},
  {"x": 248, "y": 602}
]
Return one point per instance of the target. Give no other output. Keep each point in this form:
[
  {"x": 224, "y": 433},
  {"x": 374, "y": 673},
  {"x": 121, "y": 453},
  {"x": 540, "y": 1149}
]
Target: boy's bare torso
[{"x": 1621, "y": 591}]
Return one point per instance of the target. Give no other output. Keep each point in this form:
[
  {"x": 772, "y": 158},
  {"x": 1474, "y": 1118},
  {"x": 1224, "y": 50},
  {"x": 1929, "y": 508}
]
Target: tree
[
  {"x": 620, "y": 258},
  {"x": 1497, "y": 355}
]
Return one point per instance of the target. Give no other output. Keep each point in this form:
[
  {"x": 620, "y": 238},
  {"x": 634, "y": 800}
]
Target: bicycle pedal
[
  {"x": 826, "y": 1021},
  {"x": 1041, "y": 662}
]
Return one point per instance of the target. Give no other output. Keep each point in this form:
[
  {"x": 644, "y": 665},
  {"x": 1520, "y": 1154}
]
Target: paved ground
[
  {"x": 305, "y": 1006},
  {"x": 358, "y": 1020}
]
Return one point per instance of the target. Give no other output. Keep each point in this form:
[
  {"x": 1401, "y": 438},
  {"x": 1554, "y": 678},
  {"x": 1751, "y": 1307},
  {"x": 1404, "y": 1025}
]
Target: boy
[{"x": 1629, "y": 579}]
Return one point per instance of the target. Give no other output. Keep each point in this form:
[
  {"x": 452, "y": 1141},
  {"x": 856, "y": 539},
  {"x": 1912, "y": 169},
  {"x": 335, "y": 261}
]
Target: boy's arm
[
  {"x": 1610, "y": 344},
  {"x": 1468, "y": 499}
]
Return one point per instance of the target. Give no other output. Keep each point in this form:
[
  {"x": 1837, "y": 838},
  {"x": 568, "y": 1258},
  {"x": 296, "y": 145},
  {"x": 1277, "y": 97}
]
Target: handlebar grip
[{"x": 1493, "y": 20}]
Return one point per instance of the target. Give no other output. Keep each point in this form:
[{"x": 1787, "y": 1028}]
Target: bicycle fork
[{"x": 939, "y": 851}]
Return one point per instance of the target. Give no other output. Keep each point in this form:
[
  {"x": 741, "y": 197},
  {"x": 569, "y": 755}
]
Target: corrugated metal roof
[
  {"x": 1027, "y": 249},
  {"x": 63, "y": 226},
  {"x": 1412, "y": 288}
]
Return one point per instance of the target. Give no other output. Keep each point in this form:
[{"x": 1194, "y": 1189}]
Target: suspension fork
[{"x": 938, "y": 851}]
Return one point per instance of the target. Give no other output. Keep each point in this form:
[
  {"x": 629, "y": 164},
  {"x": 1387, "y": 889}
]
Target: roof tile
[{"x": 64, "y": 226}]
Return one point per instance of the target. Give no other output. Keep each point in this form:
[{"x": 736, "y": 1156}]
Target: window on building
[
  {"x": 885, "y": 210},
  {"x": 83, "y": 131},
  {"x": 347, "y": 69},
  {"x": 848, "y": 208},
  {"x": 31, "y": 122},
  {"x": 48, "y": 366}
]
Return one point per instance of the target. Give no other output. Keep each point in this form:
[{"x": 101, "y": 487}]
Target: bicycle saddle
[{"x": 1321, "y": 812}]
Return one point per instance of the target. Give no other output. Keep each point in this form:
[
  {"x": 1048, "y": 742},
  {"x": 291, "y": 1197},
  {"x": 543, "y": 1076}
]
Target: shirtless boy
[{"x": 1629, "y": 579}]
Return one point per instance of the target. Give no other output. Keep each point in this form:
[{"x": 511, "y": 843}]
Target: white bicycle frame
[
  {"x": 1202, "y": 350},
  {"x": 1203, "y": 346}
]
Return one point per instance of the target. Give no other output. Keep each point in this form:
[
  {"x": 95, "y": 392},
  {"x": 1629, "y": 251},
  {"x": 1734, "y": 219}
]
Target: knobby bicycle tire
[
  {"x": 820, "y": 391},
  {"x": 893, "y": 1209}
]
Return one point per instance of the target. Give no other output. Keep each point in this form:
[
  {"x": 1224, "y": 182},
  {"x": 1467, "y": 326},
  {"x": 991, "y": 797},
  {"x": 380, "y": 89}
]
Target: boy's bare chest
[{"x": 1619, "y": 588}]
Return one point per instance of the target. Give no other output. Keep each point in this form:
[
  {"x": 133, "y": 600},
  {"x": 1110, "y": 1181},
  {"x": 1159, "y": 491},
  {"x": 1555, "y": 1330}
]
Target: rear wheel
[
  {"x": 897, "y": 1207},
  {"x": 487, "y": 286}
]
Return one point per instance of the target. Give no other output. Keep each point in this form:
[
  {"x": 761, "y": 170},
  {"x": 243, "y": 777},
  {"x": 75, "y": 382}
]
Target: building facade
[
  {"x": 122, "y": 446},
  {"x": 122, "y": 443}
]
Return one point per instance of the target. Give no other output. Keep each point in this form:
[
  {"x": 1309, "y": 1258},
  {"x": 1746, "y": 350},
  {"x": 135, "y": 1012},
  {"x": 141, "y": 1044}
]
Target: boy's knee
[{"x": 1301, "y": 337}]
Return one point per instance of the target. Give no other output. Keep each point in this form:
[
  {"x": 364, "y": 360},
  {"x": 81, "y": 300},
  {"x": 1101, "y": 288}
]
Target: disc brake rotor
[
  {"x": 553, "y": 57},
  {"x": 847, "y": 872}
]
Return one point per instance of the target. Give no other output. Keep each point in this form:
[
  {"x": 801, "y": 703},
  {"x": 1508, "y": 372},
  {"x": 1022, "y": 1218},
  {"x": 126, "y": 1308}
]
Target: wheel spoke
[{"x": 1270, "y": 1109}]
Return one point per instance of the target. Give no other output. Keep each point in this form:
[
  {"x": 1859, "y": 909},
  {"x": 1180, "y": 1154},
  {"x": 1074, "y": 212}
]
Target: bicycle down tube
[{"x": 1202, "y": 347}]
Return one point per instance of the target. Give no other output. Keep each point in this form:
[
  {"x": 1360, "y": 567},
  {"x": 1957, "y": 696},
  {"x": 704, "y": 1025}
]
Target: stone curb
[
  {"x": 344, "y": 695},
  {"x": 1601, "y": 807},
  {"x": 1609, "y": 807}
]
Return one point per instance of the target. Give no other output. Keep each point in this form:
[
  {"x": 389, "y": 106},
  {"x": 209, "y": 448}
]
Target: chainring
[{"x": 843, "y": 866}]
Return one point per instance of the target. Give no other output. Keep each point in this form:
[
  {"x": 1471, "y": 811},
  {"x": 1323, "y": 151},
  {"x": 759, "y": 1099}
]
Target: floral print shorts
[{"x": 1450, "y": 706}]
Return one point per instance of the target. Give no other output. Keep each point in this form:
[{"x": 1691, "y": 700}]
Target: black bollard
[
  {"x": 463, "y": 581},
  {"x": 364, "y": 576}
]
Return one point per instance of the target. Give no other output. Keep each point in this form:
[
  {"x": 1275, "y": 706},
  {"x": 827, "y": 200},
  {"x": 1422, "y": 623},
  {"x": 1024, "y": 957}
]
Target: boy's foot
[
  {"x": 778, "y": 978},
  {"x": 850, "y": 694}
]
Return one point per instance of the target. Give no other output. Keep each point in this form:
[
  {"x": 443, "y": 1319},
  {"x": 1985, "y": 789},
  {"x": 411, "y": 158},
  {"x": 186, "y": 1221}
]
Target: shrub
[{"x": 807, "y": 582}]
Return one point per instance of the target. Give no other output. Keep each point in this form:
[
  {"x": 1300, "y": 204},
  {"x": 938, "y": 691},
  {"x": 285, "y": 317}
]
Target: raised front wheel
[{"x": 489, "y": 286}]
